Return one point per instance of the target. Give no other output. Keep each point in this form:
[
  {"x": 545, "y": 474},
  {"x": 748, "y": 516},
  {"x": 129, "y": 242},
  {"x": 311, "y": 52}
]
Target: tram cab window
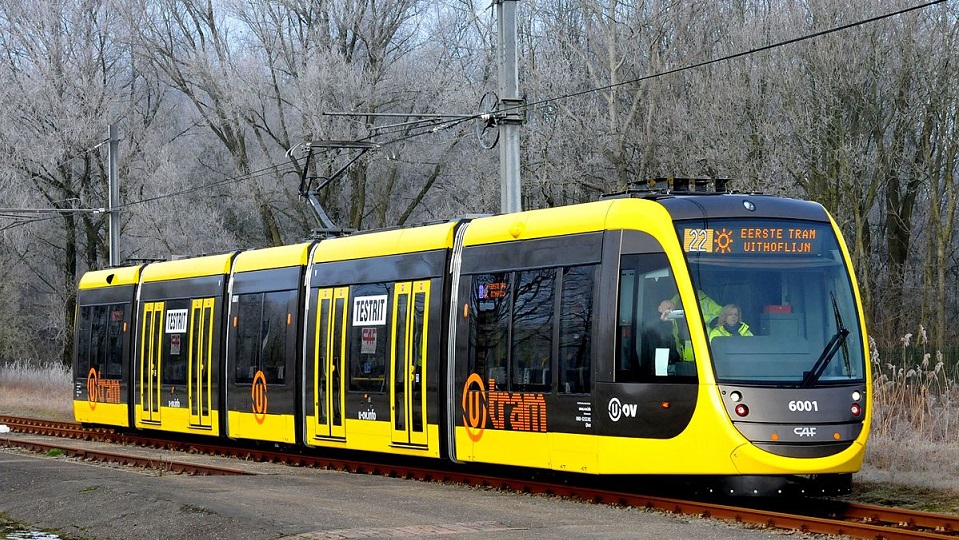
[
  {"x": 648, "y": 347},
  {"x": 370, "y": 338},
  {"x": 100, "y": 340},
  {"x": 794, "y": 291}
]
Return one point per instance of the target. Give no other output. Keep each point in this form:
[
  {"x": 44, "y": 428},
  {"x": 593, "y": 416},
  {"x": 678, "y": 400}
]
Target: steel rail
[{"x": 144, "y": 462}]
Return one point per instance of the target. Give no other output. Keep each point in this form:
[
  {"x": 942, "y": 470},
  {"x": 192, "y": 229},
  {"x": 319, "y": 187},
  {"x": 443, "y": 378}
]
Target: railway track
[
  {"x": 809, "y": 516},
  {"x": 76, "y": 431}
]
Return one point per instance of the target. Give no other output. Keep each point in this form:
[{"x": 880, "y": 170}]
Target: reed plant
[{"x": 915, "y": 416}]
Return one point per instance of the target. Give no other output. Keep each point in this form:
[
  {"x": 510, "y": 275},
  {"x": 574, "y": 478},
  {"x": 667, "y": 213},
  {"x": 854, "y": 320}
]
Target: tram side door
[
  {"x": 329, "y": 391},
  {"x": 201, "y": 350},
  {"x": 408, "y": 362},
  {"x": 150, "y": 367}
]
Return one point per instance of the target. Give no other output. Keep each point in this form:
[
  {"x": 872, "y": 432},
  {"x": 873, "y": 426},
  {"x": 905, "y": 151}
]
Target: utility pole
[
  {"x": 510, "y": 107},
  {"x": 114, "y": 200}
]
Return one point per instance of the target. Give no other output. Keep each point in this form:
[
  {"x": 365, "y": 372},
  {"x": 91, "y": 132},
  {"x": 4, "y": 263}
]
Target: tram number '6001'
[{"x": 798, "y": 405}]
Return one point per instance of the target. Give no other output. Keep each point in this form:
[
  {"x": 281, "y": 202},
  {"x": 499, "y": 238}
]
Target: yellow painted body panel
[
  {"x": 589, "y": 217},
  {"x": 274, "y": 427},
  {"x": 522, "y": 448},
  {"x": 97, "y": 279},
  {"x": 537, "y": 224},
  {"x": 177, "y": 420},
  {"x": 417, "y": 239},
  {"x": 571, "y": 452},
  {"x": 107, "y": 414},
  {"x": 210, "y": 265},
  {"x": 867, "y": 420},
  {"x": 270, "y": 258},
  {"x": 373, "y": 436}
]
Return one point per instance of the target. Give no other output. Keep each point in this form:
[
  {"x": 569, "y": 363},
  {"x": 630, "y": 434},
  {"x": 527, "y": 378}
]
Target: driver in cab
[{"x": 729, "y": 323}]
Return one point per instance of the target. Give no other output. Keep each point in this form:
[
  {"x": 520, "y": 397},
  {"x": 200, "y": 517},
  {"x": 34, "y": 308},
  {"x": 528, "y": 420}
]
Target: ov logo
[
  {"x": 92, "y": 387},
  {"x": 618, "y": 410},
  {"x": 258, "y": 393},
  {"x": 474, "y": 407}
]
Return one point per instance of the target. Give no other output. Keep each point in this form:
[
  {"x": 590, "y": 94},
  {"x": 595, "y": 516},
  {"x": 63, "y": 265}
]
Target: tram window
[
  {"x": 249, "y": 311},
  {"x": 489, "y": 326},
  {"x": 369, "y": 337},
  {"x": 532, "y": 342},
  {"x": 647, "y": 346},
  {"x": 83, "y": 342},
  {"x": 575, "y": 330},
  {"x": 114, "y": 342},
  {"x": 175, "y": 348},
  {"x": 98, "y": 338},
  {"x": 100, "y": 344},
  {"x": 262, "y": 327},
  {"x": 274, "y": 332}
]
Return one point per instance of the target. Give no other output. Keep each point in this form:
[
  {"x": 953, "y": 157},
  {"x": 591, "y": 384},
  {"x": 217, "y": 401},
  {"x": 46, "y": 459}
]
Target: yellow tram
[{"x": 598, "y": 338}]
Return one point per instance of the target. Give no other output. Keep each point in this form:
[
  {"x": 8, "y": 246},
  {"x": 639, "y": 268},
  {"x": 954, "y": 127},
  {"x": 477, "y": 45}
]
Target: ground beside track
[{"x": 100, "y": 502}]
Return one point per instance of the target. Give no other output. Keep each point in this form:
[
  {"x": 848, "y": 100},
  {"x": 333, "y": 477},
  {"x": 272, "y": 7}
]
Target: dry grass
[{"x": 44, "y": 391}]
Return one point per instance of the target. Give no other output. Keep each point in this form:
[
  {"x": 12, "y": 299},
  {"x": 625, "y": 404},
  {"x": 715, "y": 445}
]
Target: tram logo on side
[
  {"x": 258, "y": 393},
  {"x": 101, "y": 391},
  {"x": 504, "y": 410},
  {"x": 619, "y": 410}
]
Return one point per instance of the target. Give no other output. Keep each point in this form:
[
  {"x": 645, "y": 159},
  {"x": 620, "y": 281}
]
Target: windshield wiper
[{"x": 838, "y": 341}]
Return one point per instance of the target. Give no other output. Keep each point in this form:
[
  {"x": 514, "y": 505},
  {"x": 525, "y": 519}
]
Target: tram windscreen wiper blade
[{"x": 838, "y": 341}]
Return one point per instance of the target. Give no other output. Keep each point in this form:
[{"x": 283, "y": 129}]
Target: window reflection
[
  {"x": 262, "y": 322},
  {"x": 513, "y": 324}
]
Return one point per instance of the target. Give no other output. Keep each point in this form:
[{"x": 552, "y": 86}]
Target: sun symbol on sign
[{"x": 724, "y": 239}]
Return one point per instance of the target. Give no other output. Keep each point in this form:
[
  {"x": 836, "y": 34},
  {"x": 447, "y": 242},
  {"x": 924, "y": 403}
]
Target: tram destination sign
[{"x": 784, "y": 240}]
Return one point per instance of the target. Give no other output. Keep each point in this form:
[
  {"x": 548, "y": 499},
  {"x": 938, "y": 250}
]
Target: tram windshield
[{"x": 783, "y": 309}]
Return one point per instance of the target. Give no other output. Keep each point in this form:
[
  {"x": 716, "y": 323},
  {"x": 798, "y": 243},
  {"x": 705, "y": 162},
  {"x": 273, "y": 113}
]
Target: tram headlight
[
  {"x": 855, "y": 409},
  {"x": 735, "y": 396},
  {"x": 741, "y": 409},
  {"x": 856, "y": 395}
]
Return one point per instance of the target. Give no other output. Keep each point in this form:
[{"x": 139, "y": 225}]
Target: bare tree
[
  {"x": 938, "y": 165},
  {"x": 67, "y": 73}
]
